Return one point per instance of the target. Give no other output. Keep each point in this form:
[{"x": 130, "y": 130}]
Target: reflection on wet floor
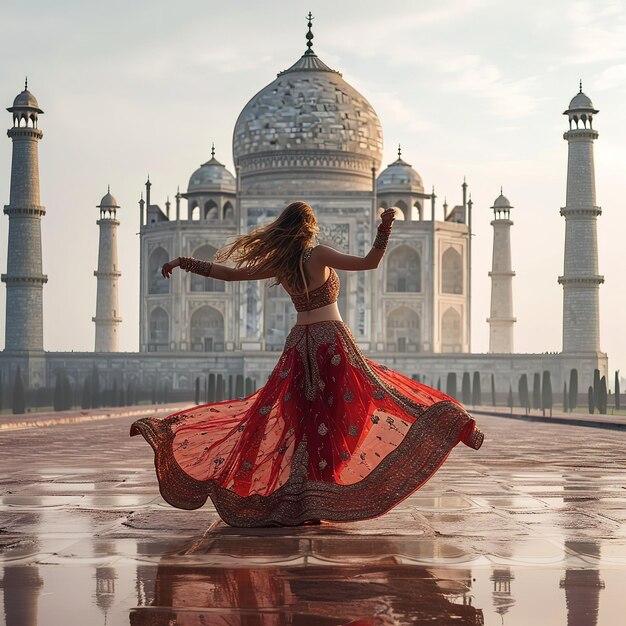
[
  {"x": 383, "y": 595},
  {"x": 495, "y": 539}
]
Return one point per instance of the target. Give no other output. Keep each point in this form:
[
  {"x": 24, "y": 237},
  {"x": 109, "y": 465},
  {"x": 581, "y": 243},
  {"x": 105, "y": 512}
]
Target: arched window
[
  {"x": 211, "y": 212},
  {"x": 400, "y": 204},
  {"x": 229, "y": 212},
  {"x": 194, "y": 212},
  {"x": 404, "y": 270},
  {"x": 417, "y": 211},
  {"x": 207, "y": 330},
  {"x": 202, "y": 283},
  {"x": 451, "y": 272},
  {"x": 156, "y": 282},
  {"x": 451, "y": 335},
  {"x": 403, "y": 330},
  {"x": 159, "y": 327}
]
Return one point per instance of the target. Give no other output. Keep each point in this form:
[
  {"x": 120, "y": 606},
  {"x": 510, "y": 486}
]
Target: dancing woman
[{"x": 332, "y": 435}]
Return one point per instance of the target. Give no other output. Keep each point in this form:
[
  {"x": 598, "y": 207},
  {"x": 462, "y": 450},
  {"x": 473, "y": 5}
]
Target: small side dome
[
  {"x": 581, "y": 101},
  {"x": 108, "y": 201},
  {"x": 25, "y": 101},
  {"x": 501, "y": 202},
  {"x": 212, "y": 176},
  {"x": 580, "y": 105},
  {"x": 399, "y": 176}
]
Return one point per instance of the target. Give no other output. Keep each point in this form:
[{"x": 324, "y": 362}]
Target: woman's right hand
[{"x": 168, "y": 268}]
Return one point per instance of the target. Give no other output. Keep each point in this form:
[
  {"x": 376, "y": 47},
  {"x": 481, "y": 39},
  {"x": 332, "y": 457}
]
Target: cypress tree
[
  {"x": 466, "y": 388},
  {"x": 439, "y": 384},
  {"x": 546, "y": 392},
  {"x": 85, "y": 402},
  {"x": 231, "y": 387},
  {"x": 212, "y": 388},
  {"x": 617, "y": 392},
  {"x": 197, "y": 391},
  {"x": 451, "y": 385},
  {"x": 509, "y": 399},
  {"x": 573, "y": 389},
  {"x": 95, "y": 387},
  {"x": 603, "y": 396},
  {"x": 68, "y": 396},
  {"x": 493, "y": 390},
  {"x": 19, "y": 402},
  {"x": 524, "y": 399},
  {"x": 477, "y": 396},
  {"x": 565, "y": 398},
  {"x": 57, "y": 399},
  {"x": 537, "y": 391},
  {"x": 219, "y": 388},
  {"x": 590, "y": 400},
  {"x": 239, "y": 386},
  {"x": 596, "y": 389},
  {"x": 248, "y": 390}
]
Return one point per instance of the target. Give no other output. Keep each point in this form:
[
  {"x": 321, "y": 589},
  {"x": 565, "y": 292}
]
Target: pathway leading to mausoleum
[{"x": 528, "y": 530}]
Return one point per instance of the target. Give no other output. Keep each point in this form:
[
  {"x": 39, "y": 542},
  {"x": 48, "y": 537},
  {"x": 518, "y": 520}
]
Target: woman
[{"x": 332, "y": 435}]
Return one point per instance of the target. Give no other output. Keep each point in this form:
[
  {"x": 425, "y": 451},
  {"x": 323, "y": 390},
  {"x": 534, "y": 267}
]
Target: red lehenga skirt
[{"x": 331, "y": 436}]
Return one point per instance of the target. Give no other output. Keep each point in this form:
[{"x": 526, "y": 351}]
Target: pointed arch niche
[
  {"x": 451, "y": 272},
  {"x": 404, "y": 333},
  {"x": 207, "y": 330},
  {"x": 199, "y": 283},
  {"x": 451, "y": 332},
  {"x": 159, "y": 329},
  {"x": 404, "y": 270},
  {"x": 156, "y": 283}
]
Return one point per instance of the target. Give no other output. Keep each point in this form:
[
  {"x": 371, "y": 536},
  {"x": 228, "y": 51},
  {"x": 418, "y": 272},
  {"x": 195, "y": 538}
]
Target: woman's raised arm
[{"x": 324, "y": 255}]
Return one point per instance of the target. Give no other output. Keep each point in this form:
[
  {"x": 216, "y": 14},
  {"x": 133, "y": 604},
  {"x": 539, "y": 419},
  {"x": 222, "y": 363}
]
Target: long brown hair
[{"x": 277, "y": 246}]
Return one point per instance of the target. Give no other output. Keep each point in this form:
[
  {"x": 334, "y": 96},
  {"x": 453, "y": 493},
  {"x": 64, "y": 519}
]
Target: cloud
[
  {"x": 597, "y": 32},
  {"x": 611, "y": 78},
  {"x": 477, "y": 77}
]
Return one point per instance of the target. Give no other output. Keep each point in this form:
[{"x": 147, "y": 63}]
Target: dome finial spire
[
  {"x": 26, "y": 83},
  {"x": 501, "y": 192},
  {"x": 399, "y": 151},
  {"x": 212, "y": 150},
  {"x": 309, "y": 35},
  {"x": 108, "y": 188},
  {"x": 580, "y": 87}
]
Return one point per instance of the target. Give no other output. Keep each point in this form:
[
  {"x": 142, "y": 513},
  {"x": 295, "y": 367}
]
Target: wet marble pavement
[{"x": 528, "y": 530}]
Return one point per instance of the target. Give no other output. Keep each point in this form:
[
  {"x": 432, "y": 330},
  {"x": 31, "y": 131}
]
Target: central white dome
[{"x": 309, "y": 119}]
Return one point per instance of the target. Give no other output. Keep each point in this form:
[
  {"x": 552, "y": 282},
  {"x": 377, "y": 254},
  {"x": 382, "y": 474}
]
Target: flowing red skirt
[{"x": 331, "y": 436}]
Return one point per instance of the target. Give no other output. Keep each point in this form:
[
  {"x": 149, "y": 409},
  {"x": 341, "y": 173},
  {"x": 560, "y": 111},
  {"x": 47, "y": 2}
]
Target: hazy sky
[{"x": 471, "y": 88}]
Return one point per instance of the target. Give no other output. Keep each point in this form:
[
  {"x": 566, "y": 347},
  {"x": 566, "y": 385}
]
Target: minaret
[
  {"x": 501, "y": 318},
  {"x": 107, "y": 305},
  {"x": 580, "y": 280},
  {"x": 24, "y": 278}
]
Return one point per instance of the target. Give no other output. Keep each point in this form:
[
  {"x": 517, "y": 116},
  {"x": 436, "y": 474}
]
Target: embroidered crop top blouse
[{"x": 321, "y": 296}]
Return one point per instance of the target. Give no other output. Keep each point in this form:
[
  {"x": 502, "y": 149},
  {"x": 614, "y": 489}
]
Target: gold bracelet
[
  {"x": 382, "y": 237},
  {"x": 196, "y": 266}
]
